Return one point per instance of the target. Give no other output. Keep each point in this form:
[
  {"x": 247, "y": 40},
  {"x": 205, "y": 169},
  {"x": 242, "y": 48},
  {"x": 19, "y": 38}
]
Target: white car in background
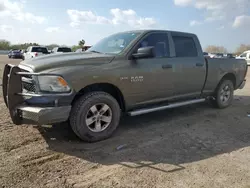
[
  {"x": 35, "y": 51},
  {"x": 61, "y": 50},
  {"x": 245, "y": 55}
]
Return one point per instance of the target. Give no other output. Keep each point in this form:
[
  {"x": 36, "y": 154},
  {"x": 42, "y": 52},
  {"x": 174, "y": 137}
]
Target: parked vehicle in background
[
  {"x": 22, "y": 52},
  {"x": 134, "y": 73},
  {"x": 245, "y": 55},
  {"x": 85, "y": 48},
  {"x": 212, "y": 55},
  {"x": 9, "y": 53},
  {"x": 61, "y": 50},
  {"x": 219, "y": 55},
  {"x": 35, "y": 51},
  {"x": 205, "y": 54},
  {"x": 228, "y": 55},
  {"x": 15, "y": 54}
]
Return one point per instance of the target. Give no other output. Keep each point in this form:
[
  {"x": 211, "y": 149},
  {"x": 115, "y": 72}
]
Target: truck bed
[{"x": 218, "y": 67}]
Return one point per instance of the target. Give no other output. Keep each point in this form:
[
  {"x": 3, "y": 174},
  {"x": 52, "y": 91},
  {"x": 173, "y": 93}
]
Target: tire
[
  {"x": 82, "y": 109},
  {"x": 224, "y": 94}
]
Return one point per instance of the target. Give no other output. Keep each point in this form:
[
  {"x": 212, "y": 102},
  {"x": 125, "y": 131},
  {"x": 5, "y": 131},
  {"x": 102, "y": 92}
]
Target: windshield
[
  {"x": 114, "y": 44},
  {"x": 64, "y": 50},
  {"x": 243, "y": 55}
]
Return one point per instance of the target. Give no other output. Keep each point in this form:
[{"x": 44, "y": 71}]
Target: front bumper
[
  {"x": 43, "y": 115},
  {"x": 23, "y": 112}
]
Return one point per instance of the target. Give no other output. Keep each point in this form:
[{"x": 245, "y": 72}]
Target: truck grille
[{"x": 28, "y": 83}]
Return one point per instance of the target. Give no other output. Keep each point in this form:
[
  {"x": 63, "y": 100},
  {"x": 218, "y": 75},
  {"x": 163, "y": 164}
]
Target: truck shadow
[{"x": 172, "y": 137}]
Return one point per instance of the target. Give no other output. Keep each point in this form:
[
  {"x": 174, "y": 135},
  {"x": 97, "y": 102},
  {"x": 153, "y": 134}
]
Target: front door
[{"x": 151, "y": 78}]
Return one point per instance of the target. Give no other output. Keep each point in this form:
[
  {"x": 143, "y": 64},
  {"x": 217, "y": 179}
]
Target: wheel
[
  {"x": 95, "y": 116},
  {"x": 224, "y": 94}
]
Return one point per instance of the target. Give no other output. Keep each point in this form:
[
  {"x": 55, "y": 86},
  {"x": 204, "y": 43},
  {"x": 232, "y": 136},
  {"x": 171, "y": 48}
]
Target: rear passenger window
[
  {"x": 185, "y": 46},
  {"x": 159, "y": 41}
]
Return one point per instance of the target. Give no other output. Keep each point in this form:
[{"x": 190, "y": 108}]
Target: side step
[{"x": 174, "y": 105}]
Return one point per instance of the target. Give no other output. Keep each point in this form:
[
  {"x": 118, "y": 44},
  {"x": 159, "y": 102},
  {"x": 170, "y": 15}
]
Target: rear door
[{"x": 188, "y": 63}]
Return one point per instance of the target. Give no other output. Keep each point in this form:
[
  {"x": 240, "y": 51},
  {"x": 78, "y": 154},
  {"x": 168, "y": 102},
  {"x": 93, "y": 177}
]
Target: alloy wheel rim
[
  {"x": 225, "y": 94},
  {"x": 98, "y": 117}
]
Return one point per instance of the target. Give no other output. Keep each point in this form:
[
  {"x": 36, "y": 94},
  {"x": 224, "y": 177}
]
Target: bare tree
[
  {"x": 215, "y": 49},
  {"x": 242, "y": 48}
]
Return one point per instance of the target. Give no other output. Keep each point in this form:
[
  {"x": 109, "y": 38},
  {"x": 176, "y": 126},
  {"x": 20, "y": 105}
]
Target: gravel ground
[{"x": 195, "y": 146}]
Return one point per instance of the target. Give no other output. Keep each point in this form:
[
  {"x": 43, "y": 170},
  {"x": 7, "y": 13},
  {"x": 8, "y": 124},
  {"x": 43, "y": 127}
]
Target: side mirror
[
  {"x": 25, "y": 51},
  {"x": 144, "y": 52}
]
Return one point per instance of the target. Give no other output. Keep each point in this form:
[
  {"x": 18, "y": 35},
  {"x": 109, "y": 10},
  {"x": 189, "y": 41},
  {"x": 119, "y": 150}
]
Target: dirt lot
[{"x": 196, "y": 146}]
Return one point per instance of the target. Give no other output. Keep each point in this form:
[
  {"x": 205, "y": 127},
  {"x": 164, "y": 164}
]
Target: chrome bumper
[{"x": 43, "y": 115}]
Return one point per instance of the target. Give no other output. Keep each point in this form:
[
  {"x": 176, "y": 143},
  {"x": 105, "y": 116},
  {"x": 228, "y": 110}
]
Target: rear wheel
[
  {"x": 224, "y": 94},
  {"x": 95, "y": 116}
]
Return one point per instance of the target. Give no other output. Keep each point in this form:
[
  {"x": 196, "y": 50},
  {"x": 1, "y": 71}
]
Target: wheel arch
[
  {"x": 229, "y": 76},
  {"x": 105, "y": 87}
]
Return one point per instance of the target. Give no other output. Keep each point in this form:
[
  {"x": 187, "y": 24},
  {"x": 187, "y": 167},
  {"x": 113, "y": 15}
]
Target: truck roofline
[{"x": 155, "y": 30}]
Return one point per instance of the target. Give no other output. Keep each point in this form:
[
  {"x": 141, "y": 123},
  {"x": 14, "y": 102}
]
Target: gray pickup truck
[{"x": 133, "y": 73}]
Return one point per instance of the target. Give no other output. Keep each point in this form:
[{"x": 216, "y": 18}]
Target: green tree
[
  {"x": 4, "y": 45},
  {"x": 81, "y": 42},
  {"x": 75, "y": 47}
]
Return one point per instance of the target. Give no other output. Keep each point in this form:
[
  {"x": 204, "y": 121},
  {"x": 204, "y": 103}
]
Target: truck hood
[{"x": 51, "y": 61}]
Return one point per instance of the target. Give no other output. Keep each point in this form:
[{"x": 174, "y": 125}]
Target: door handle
[
  {"x": 199, "y": 64},
  {"x": 167, "y": 66}
]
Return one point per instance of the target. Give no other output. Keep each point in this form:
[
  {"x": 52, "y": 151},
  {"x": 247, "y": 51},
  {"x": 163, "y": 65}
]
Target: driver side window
[{"x": 160, "y": 43}]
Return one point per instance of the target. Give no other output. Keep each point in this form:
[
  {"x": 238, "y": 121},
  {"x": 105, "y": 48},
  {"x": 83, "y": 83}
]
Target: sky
[{"x": 215, "y": 22}]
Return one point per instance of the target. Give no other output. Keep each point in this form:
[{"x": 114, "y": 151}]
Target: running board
[{"x": 174, "y": 105}]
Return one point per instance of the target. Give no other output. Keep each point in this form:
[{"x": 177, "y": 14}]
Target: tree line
[
  {"x": 6, "y": 45},
  {"x": 221, "y": 49}
]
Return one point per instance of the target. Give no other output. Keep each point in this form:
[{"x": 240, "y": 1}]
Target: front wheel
[
  {"x": 224, "y": 94},
  {"x": 95, "y": 116}
]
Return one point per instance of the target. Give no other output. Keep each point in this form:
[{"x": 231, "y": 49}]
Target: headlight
[{"x": 53, "y": 84}]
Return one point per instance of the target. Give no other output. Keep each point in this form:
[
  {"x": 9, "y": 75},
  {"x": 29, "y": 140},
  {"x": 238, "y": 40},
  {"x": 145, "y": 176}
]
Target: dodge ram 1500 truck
[{"x": 134, "y": 72}]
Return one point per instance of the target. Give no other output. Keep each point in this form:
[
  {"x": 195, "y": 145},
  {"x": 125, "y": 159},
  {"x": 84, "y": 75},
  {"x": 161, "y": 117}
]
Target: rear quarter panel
[{"x": 218, "y": 68}]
